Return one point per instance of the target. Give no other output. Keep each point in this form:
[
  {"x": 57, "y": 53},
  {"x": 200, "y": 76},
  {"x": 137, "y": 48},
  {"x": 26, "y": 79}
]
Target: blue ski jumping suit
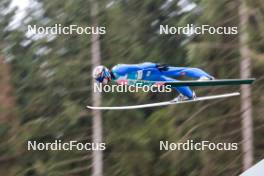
[{"x": 156, "y": 72}]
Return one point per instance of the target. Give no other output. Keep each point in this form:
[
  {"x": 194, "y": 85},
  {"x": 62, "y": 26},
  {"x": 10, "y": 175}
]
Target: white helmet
[{"x": 100, "y": 73}]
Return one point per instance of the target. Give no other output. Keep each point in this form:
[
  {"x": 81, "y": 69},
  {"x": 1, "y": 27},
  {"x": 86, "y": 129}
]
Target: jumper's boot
[
  {"x": 181, "y": 97},
  {"x": 205, "y": 78}
]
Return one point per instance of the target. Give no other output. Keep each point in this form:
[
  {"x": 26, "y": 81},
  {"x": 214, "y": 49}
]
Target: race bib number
[{"x": 139, "y": 74}]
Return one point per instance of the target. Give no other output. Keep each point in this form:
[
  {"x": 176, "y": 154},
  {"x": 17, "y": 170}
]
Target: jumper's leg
[{"x": 195, "y": 73}]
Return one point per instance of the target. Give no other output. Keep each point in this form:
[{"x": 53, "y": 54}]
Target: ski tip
[
  {"x": 90, "y": 107},
  {"x": 98, "y": 108},
  {"x": 251, "y": 80}
]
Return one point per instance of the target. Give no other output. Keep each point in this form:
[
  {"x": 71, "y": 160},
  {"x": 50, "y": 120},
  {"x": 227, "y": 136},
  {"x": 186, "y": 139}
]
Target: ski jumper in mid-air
[{"x": 151, "y": 72}]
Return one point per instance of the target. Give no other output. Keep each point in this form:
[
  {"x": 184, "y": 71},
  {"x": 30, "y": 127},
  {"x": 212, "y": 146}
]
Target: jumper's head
[{"x": 102, "y": 74}]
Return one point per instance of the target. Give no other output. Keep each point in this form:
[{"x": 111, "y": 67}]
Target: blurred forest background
[{"x": 45, "y": 84}]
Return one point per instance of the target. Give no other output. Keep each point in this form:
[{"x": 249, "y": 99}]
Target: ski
[
  {"x": 216, "y": 82},
  {"x": 219, "y": 82},
  {"x": 166, "y": 103}
]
